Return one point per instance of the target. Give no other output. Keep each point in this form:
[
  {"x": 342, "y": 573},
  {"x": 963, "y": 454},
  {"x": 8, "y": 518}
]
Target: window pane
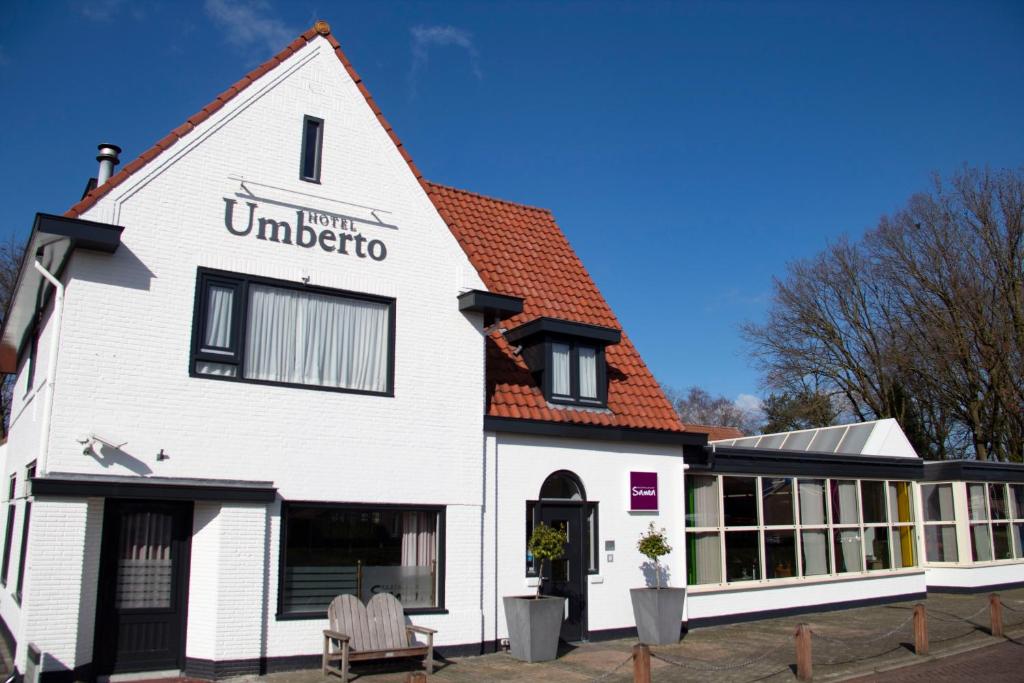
[
  {"x": 742, "y": 557},
  {"x": 740, "y": 501},
  {"x": 310, "y": 149},
  {"x": 531, "y": 565},
  {"x": 997, "y": 501},
  {"x": 218, "y": 369},
  {"x": 308, "y": 338},
  {"x": 588, "y": 371},
  {"x": 144, "y": 562},
  {"x": 814, "y": 546},
  {"x": 779, "y": 553},
  {"x": 1001, "y": 542},
  {"x": 981, "y": 544},
  {"x": 333, "y": 551},
  {"x": 1018, "y": 540},
  {"x": 938, "y": 502},
  {"x": 848, "y": 550},
  {"x": 940, "y": 543},
  {"x": 899, "y": 502},
  {"x": 777, "y": 502},
  {"x": 1017, "y": 495},
  {"x": 704, "y": 559},
  {"x": 844, "y": 502},
  {"x": 903, "y": 547},
  {"x": 872, "y": 495},
  {"x": 876, "y": 547},
  {"x": 217, "y": 335},
  {"x": 592, "y": 537},
  {"x": 560, "y": 369},
  {"x": 976, "y": 501},
  {"x": 701, "y": 501},
  {"x": 812, "y": 501}
]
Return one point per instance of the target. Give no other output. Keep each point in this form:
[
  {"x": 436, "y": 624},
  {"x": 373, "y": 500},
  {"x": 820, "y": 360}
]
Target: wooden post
[
  {"x": 641, "y": 663},
  {"x": 804, "y": 668},
  {"x": 416, "y": 677},
  {"x": 995, "y": 609},
  {"x": 920, "y": 630}
]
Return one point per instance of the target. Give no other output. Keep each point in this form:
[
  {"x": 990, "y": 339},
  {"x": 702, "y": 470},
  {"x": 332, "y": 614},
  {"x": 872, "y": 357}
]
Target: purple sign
[{"x": 643, "y": 490}]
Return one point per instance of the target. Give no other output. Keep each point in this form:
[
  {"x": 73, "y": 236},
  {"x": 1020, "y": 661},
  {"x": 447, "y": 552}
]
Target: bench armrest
[
  {"x": 335, "y": 635},
  {"x": 421, "y": 629}
]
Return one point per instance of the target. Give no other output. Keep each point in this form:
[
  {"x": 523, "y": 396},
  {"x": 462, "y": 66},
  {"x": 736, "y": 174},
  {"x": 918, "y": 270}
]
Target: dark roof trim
[
  {"x": 52, "y": 242},
  {"x": 493, "y": 306},
  {"x": 603, "y": 335},
  {"x": 973, "y": 470},
  {"x": 740, "y": 460},
  {"x": 599, "y": 432},
  {"x": 153, "y": 488}
]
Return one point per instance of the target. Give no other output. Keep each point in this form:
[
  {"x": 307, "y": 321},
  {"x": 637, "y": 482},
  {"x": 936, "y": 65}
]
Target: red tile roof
[
  {"x": 715, "y": 432},
  {"x": 544, "y": 270}
]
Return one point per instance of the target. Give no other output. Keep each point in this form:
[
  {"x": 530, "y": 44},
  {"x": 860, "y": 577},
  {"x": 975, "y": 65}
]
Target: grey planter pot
[
  {"x": 533, "y": 626},
  {"x": 658, "y": 613}
]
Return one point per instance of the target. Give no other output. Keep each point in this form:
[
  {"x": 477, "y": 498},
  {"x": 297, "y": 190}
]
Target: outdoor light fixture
[{"x": 91, "y": 439}]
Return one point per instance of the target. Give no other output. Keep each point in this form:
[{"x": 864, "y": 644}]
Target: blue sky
[{"x": 688, "y": 150}]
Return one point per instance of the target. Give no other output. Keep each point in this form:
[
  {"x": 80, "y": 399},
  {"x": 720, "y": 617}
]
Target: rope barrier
[
  {"x": 618, "y": 666},
  {"x": 708, "y": 666}
]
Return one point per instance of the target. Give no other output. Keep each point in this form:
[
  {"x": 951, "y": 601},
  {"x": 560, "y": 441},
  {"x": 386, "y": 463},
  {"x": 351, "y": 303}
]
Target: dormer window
[{"x": 567, "y": 359}]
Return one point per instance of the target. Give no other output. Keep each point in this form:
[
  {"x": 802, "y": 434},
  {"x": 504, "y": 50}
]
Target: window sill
[
  {"x": 307, "y": 616},
  {"x": 290, "y": 385},
  {"x": 768, "y": 584}
]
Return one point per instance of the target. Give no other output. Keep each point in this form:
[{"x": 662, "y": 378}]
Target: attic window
[
  {"x": 312, "y": 148},
  {"x": 567, "y": 359}
]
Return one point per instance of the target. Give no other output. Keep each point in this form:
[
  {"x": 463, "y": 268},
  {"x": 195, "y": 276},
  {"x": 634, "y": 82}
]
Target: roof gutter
[{"x": 51, "y": 367}]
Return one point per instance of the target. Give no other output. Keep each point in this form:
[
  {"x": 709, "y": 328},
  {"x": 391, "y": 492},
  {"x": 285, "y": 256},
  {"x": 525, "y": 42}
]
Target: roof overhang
[
  {"x": 494, "y": 306},
  {"x": 556, "y": 326},
  {"x": 53, "y": 240},
  {"x": 691, "y": 442},
  {"x": 70, "y": 484},
  {"x": 741, "y": 460},
  {"x": 974, "y": 470}
]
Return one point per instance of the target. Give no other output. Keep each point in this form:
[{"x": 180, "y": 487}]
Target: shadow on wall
[
  {"x": 109, "y": 456},
  {"x": 131, "y": 272},
  {"x": 651, "y": 571}
]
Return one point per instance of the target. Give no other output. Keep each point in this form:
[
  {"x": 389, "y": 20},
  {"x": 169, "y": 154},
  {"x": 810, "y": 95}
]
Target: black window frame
[
  {"x": 574, "y": 397},
  {"x": 206, "y": 277},
  {"x": 442, "y": 554},
  {"x": 5, "y": 567},
  {"x": 306, "y": 120}
]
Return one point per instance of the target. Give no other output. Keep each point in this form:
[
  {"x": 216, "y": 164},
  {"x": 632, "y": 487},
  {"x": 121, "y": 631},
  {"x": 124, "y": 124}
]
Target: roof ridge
[
  {"x": 321, "y": 28},
  {"x": 489, "y": 197}
]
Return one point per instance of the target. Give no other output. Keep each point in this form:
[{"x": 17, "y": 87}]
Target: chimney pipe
[{"x": 108, "y": 160}]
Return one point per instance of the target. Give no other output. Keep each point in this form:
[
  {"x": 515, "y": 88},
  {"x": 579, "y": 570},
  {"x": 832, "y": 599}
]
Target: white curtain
[
  {"x": 560, "y": 369},
  {"x": 815, "y": 552},
  {"x": 218, "y": 318},
  {"x": 844, "y": 502},
  {"x": 704, "y": 491},
  {"x": 981, "y": 543},
  {"x": 588, "y": 372},
  {"x": 418, "y": 539},
  {"x": 307, "y": 338},
  {"x": 812, "y": 501},
  {"x": 848, "y": 550},
  {"x": 976, "y": 501},
  {"x": 707, "y": 558},
  {"x": 144, "y": 561}
]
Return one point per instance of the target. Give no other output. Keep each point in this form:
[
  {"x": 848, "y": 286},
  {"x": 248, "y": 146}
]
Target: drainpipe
[{"x": 51, "y": 368}]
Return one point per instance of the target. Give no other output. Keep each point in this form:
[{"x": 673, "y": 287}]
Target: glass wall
[{"x": 753, "y": 528}]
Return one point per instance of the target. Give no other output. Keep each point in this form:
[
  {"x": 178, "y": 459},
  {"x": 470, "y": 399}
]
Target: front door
[
  {"x": 566, "y": 577},
  {"x": 143, "y": 586}
]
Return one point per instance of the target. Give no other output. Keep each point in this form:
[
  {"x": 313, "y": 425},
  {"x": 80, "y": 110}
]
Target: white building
[{"x": 267, "y": 362}]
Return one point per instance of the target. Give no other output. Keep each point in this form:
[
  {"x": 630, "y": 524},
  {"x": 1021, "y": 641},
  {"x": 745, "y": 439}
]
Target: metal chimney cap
[{"x": 108, "y": 151}]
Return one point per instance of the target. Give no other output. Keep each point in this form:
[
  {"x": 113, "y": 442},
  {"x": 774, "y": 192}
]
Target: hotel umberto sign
[{"x": 287, "y": 223}]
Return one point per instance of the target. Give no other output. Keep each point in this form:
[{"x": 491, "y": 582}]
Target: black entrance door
[
  {"x": 143, "y": 586},
  {"x": 566, "y": 577}
]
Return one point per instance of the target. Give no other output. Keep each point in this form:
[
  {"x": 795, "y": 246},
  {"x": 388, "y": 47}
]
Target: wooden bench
[{"x": 376, "y": 631}]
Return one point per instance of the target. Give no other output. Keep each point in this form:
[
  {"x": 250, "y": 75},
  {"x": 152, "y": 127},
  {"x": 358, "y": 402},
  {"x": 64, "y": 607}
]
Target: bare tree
[
  {"x": 11, "y": 253},
  {"x": 921, "y": 320},
  {"x": 805, "y": 409},
  {"x": 698, "y": 406}
]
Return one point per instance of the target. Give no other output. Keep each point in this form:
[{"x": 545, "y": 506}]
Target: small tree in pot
[
  {"x": 534, "y": 621},
  {"x": 658, "y": 611}
]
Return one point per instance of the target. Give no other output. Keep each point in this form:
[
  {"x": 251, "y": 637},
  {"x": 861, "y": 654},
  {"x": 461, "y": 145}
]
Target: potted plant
[
  {"x": 658, "y": 610},
  {"x": 534, "y": 621}
]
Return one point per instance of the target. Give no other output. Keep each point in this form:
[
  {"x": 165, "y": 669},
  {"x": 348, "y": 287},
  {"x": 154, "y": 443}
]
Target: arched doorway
[{"x": 562, "y": 503}]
